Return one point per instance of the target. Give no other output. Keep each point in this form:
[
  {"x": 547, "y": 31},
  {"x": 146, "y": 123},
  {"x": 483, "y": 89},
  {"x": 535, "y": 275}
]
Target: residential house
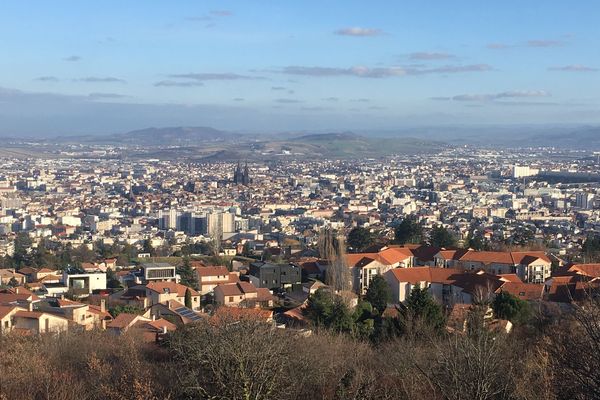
[
  {"x": 437, "y": 280},
  {"x": 242, "y": 294},
  {"x": 275, "y": 276},
  {"x": 86, "y": 316},
  {"x": 364, "y": 266},
  {"x": 81, "y": 285},
  {"x": 175, "y": 312},
  {"x": 158, "y": 272},
  {"x": 531, "y": 266},
  {"x": 148, "y": 329},
  {"x": 209, "y": 277},
  {"x": 10, "y": 276},
  {"x": 161, "y": 292},
  {"x": 7, "y": 319},
  {"x": 37, "y": 322}
]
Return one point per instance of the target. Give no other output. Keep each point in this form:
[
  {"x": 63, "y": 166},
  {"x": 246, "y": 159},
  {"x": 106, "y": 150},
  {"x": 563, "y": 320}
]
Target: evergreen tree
[
  {"x": 507, "y": 306},
  {"x": 359, "y": 238},
  {"x": 319, "y": 308},
  {"x": 112, "y": 282},
  {"x": 379, "y": 294},
  {"x": 187, "y": 274},
  {"x": 188, "y": 298},
  {"x": 409, "y": 231},
  {"x": 422, "y": 306},
  {"x": 441, "y": 237},
  {"x": 22, "y": 249},
  {"x": 147, "y": 247}
]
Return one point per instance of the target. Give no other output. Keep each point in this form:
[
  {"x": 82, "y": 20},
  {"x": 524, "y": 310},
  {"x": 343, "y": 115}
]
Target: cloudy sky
[{"x": 76, "y": 67}]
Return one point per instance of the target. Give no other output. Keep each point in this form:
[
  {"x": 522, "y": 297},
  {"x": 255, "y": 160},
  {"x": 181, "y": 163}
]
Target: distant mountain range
[
  {"x": 170, "y": 136},
  {"x": 210, "y": 144}
]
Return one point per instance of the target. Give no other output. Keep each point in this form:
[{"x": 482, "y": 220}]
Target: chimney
[
  {"x": 30, "y": 306},
  {"x": 164, "y": 330},
  {"x": 102, "y": 305},
  {"x": 153, "y": 317}
]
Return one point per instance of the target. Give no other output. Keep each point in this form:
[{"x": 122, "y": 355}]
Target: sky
[{"x": 94, "y": 67}]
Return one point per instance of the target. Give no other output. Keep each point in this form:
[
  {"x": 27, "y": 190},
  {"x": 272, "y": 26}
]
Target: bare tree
[
  {"x": 474, "y": 365},
  {"x": 231, "y": 359},
  {"x": 575, "y": 350},
  {"x": 332, "y": 247}
]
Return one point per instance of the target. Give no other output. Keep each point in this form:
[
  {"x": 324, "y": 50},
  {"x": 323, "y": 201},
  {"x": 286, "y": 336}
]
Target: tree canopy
[
  {"x": 359, "y": 238},
  {"x": 409, "y": 231},
  {"x": 422, "y": 307},
  {"x": 441, "y": 237},
  {"x": 507, "y": 306},
  {"x": 379, "y": 294}
]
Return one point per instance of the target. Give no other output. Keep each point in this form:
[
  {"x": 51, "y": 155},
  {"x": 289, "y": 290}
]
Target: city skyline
[{"x": 106, "y": 68}]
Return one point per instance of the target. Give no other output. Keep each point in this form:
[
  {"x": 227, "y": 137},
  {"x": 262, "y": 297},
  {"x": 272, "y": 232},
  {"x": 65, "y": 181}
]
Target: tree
[
  {"x": 147, "y": 247},
  {"x": 22, "y": 249},
  {"x": 591, "y": 248},
  {"x": 379, "y": 294},
  {"x": 359, "y": 238},
  {"x": 319, "y": 307},
  {"x": 332, "y": 248},
  {"x": 112, "y": 281},
  {"x": 187, "y": 274},
  {"x": 328, "y": 310},
  {"x": 472, "y": 366},
  {"x": 127, "y": 309},
  {"x": 188, "y": 298},
  {"x": 233, "y": 359},
  {"x": 341, "y": 319},
  {"x": 441, "y": 237},
  {"x": 422, "y": 307},
  {"x": 477, "y": 242},
  {"x": 507, "y": 306},
  {"x": 409, "y": 231},
  {"x": 522, "y": 236}
]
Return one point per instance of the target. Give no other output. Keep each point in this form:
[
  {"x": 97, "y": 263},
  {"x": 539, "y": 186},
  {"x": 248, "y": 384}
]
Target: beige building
[
  {"x": 530, "y": 266},
  {"x": 364, "y": 266},
  {"x": 209, "y": 277},
  {"x": 8, "y": 275},
  {"x": 242, "y": 294},
  {"x": 162, "y": 292},
  {"x": 37, "y": 322}
]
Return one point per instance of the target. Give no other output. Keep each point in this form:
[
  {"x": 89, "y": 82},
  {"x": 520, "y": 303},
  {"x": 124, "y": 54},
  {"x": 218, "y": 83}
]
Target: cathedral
[{"x": 241, "y": 176}]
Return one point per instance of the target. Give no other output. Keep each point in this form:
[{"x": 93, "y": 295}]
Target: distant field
[{"x": 23, "y": 152}]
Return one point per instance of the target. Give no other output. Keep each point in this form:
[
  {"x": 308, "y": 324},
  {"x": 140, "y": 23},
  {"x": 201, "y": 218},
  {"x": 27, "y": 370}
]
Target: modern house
[
  {"x": 81, "y": 285},
  {"x": 274, "y": 276}
]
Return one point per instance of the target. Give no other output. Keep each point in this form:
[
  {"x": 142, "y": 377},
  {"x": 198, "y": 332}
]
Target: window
[{"x": 230, "y": 299}]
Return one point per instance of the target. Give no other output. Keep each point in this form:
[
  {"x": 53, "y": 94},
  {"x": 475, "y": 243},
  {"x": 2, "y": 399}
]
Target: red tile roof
[
  {"x": 388, "y": 256},
  {"x": 523, "y": 291},
  {"x": 590, "y": 270},
  {"x": 172, "y": 287},
  {"x": 425, "y": 274},
  {"x": 212, "y": 271}
]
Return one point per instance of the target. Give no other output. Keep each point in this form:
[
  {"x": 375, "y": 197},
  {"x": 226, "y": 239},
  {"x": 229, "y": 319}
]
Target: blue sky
[{"x": 70, "y": 67}]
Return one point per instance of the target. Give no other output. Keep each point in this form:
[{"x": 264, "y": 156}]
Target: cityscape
[{"x": 299, "y": 230}]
